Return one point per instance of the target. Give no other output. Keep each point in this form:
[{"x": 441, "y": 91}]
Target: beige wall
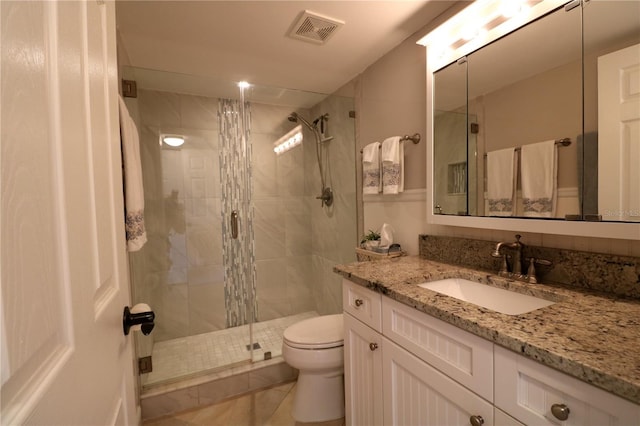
[{"x": 390, "y": 97}]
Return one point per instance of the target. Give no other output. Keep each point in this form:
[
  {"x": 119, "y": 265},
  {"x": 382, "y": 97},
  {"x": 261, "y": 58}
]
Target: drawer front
[
  {"x": 527, "y": 390},
  {"x": 362, "y": 303},
  {"x": 415, "y": 393},
  {"x": 464, "y": 357}
]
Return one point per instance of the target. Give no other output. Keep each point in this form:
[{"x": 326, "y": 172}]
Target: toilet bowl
[{"x": 315, "y": 347}]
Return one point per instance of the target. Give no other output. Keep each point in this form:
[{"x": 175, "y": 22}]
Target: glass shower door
[{"x": 191, "y": 271}]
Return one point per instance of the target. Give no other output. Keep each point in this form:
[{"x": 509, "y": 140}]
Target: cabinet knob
[
  {"x": 373, "y": 346},
  {"x": 476, "y": 420},
  {"x": 560, "y": 411},
  {"x": 358, "y": 302}
]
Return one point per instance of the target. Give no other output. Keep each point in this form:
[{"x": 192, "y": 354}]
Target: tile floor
[
  {"x": 190, "y": 355},
  {"x": 266, "y": 407}
]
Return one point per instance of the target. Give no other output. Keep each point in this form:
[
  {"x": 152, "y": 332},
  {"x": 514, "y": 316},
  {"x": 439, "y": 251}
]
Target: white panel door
[
  {"x": 65, "y": 359},
  {"x": 619, "y": 134}
]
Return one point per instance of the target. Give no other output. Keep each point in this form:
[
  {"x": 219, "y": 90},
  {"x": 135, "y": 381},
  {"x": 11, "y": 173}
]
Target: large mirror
[{"x": 530, "y": 126}]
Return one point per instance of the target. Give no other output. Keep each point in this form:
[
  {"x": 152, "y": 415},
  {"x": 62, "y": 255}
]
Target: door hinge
[
  {"x": 145, "y": 365},
  {"x": 129, "y": 89}
]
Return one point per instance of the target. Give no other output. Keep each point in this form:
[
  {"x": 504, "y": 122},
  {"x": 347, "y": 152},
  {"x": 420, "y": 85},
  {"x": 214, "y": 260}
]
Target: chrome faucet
[{"x": 516, "y": 270}]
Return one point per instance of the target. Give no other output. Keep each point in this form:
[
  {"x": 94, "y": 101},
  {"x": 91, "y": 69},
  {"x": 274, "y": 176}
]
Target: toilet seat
[{"x": 323, "y": 332}]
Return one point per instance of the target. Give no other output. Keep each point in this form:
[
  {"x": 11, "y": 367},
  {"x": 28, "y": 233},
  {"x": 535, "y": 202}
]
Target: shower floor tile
[{"x": 187, "y": 356}]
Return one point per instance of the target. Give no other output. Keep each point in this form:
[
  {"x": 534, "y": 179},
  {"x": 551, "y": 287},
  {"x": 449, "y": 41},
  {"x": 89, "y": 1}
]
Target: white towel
[
  {"x": 133, "y": 190},
  {"x": 371, "y": 182},
  {"x": 392, "y": 165},
  {"x": 539, "y": 163},
  {"x": 501, "y": 182}
]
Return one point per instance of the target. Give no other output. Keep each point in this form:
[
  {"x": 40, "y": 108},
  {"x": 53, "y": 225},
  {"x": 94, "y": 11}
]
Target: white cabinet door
[
  {"x": 65, "y": 359},
  {"x": 527, "y": 390},
  {"x": 417, "y": 394},
  {"x": 362, "y": 373},
  {"x": 466, "y": 358}
]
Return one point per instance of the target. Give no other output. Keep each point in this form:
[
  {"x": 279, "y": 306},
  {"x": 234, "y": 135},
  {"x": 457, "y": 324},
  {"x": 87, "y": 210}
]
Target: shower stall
[{"x": 241, "y": 239}]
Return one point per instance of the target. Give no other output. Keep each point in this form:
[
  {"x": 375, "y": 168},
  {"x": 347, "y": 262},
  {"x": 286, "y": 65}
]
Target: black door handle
[{"x": 144, "y": 319}]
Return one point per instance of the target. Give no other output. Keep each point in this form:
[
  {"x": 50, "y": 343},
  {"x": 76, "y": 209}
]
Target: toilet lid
[{"x": 321, "y": 332}]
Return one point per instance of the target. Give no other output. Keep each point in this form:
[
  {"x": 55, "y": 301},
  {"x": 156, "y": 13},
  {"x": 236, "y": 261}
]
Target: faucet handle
[{"x": 531, "y": 273}]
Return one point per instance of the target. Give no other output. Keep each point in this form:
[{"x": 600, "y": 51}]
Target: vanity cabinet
[
  {"x": 387, "y": 384},
  {"x": 403, "y": 366}
]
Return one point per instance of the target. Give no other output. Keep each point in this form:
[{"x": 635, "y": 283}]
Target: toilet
[{"x": 315, "y": 347}]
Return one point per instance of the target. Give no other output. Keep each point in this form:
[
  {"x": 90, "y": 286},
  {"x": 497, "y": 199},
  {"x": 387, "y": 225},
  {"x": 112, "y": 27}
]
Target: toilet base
[{"x": 319, "y": 396}]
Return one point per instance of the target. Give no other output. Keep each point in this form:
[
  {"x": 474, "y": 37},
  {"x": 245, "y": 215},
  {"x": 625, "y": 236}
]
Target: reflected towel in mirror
[
  {"x": 539, "y": 164},
  {"x": 501, "y": 182}
]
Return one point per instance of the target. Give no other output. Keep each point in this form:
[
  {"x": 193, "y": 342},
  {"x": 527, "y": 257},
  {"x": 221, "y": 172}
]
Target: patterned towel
[
  {"x": 501, "y": 182},
  {"x": 392, "y": 165},
  {"x": 371, "y": 183},
  {"x": 539, "y": 162},
  {"x": 134, "y": 192}
]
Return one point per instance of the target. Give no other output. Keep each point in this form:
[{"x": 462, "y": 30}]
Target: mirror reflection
[{"x": 508, "y": 120}]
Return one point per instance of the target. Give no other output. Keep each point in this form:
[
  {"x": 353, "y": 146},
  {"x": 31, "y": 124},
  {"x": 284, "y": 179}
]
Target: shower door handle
[{"x": 234, "y": 224}]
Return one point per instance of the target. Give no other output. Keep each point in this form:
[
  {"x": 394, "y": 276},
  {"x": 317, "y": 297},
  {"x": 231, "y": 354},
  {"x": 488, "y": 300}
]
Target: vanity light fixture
[
  {"x": 512, "y": 8},
  {"x": 472, "y": 31},
  {"x": 479, "y": 23},
  {"x": 172, "y": 140},
  {"x": 243, "y": 85},
  {"x": 292, "y": 139}
]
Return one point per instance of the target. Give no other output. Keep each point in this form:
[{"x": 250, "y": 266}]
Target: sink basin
[{"x": 496, "y": 299}]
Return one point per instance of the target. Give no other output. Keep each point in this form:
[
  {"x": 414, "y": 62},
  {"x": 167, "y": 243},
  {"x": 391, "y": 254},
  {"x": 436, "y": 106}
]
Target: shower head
[{"x": 294, "y": 117}]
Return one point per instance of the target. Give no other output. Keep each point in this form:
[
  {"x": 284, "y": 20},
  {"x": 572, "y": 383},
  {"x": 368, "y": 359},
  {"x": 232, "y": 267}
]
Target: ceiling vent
[{"x": 315, "y": 28}]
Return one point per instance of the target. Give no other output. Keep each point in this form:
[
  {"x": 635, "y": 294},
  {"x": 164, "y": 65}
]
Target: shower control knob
[
  {"x": 373, "y": 346},
  {"x": 358, "y": 302}
]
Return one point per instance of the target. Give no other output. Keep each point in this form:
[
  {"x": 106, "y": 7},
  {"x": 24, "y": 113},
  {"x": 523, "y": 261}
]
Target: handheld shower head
[{"x": 294, "y": 117}]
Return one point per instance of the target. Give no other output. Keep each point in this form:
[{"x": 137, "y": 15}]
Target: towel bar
[
  {"x": 415, "y": 138},
  {"x": 559, "y": 142}
]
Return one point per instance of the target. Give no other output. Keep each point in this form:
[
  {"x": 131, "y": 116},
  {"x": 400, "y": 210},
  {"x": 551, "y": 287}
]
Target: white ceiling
[{"x": 247, "y": 40}]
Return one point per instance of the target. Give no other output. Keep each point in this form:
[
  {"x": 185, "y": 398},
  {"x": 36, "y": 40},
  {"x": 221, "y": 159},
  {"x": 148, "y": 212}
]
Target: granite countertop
[{"x": 588, "y": 335}]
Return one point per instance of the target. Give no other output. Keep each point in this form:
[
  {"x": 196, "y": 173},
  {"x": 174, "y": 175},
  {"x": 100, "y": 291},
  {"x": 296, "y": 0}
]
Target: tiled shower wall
[
  {"x": 333, "y": 229},
  {"x": 282, "y": 219},
  {"x": 238, "y": 253}
]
